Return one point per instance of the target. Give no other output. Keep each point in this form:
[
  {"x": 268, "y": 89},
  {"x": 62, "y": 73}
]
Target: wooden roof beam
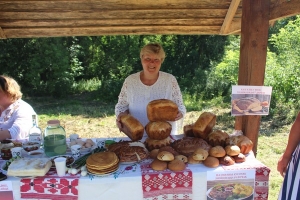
[
  {"x": 278, "y": 10},
  {"x": 229, "y": 16}
]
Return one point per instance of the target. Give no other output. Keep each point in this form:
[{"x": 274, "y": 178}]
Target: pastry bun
[
  {"x": 227, "y": 160},
  {"x": 176, "y": 165},
  {"x": 211, "y": 162},
  {"x": 182, "y": 158},
  {"x": 165, "y": 156},
  {"x": 239, "y": 158},
  {"x": 217, "y": 151},
  {"x": 232, "y": 150},
  {"x": 200, "y": 154},
  {"x": 158, "y": 165}
]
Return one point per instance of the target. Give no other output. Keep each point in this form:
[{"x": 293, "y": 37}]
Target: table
[{"x": 127, "y": 182}]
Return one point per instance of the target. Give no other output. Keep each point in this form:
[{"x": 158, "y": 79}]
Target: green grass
[{"x": 94, "y": 119}]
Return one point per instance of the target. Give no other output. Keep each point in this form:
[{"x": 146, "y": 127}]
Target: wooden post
[{"x": 253, "y": 53}]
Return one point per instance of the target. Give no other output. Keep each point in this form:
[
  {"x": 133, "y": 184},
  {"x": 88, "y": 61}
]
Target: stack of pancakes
[{"x": 102, "y": 163}]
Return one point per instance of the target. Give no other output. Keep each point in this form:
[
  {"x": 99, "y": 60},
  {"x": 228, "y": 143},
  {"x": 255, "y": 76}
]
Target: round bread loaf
[
  {"x": 182, "y": 158},
  {"x": 217, "y": 151},
  {"x": 211, "y": 162},
  {"x": 158, "y": 165},
  {"x": 217, "y": 138},
  {"x": 176, "y": 165},
  {"x": 187, "y": 145},
  {"x": 156, "y": 144},
  {"x": 158, "y": 130},
  {"x": 200, "y": 154},
  {"x": 153, "y": 153},
  {"x": 227, "y": 160},
  {"x": 165, "y": 156},
  {"x": 239, "y": 158},
  {"x": 232, "y": 150},
  {"x": 169, "y": 149}
]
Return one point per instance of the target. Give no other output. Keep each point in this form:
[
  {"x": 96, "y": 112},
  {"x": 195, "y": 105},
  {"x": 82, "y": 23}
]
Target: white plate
[
  {"x": 208, "y": 191},
  {"x": 128, "y": 163}
]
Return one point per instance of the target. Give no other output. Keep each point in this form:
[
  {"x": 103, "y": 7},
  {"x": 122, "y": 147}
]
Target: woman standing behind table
[
  {"x": 289, "y": 165},
  {"x": 15, "y": 114},
  {"x": 147, "y": 85}
]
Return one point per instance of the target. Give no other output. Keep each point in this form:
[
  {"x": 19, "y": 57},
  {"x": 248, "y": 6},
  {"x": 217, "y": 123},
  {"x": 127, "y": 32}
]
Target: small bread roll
[
  {"x": 200, "y": 154},
  {"x": 239, "y": 158},
  {"x": 232, "y": 150},
  {"x": 211, "y": 162},
  {"x": 182, "y": 158},
  {"x": 165, "y": 156},
  {"x": 158, "y": 165},
  {"x": 227, "y": 160},
  {"x": 153, "y": 153},
  {"x": 176, "y": 165},
  {"x": 192, "y": 161},
  {"x": 217, "y": 151}
]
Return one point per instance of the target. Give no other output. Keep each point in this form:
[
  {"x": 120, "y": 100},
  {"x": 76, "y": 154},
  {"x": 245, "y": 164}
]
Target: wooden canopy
[
  {"x": 249, "y": 18},
  {"x": 42, "y": 18}
]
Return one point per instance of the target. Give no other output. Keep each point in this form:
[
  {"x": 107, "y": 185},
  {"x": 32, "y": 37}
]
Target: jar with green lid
[{"x": 54, "y": 139}]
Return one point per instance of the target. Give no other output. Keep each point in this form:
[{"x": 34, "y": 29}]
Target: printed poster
[
  {"x": 250, "y": 100},
  {"x": 6, "y": 190},
  {"x": 233, "y": 184}
]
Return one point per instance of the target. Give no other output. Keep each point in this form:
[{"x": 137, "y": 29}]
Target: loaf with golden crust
[
  {"x": 217, "y": 138},
  {"x": 132, "y": 127},
  {"x": 204, "y": 125},
  {"x": 211, "y": 162},
  {"x": 162, "y": 110},
  {"x": 188, "y": 130},
  {"x": 176, "y": 165},
  {"x": 187, "y": 145},
  {"x": 158, "y": 165},
  {"x": 241, "y": 141},
  {"x": 217, "y": 151},
  {"x": 158, "y": 130}
]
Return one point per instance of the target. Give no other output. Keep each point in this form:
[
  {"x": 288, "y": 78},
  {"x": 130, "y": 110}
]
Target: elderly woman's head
[
  {"x": 10, "y": 87},
  {"x": 153, "y": 48}
]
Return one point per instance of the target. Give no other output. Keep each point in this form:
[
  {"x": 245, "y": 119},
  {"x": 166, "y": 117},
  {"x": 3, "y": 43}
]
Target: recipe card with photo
[
  {"x": 233, "y": 184},
  {"x": 250, "y": 100},
  {"x": 6, "y": 190}
]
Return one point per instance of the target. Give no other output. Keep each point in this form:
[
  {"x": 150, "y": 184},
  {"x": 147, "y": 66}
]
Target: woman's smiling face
[{"x": 151, "y": 63}]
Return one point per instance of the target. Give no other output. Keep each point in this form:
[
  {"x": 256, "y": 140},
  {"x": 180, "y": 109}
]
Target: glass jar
[
  {"x": 6, "y": 146},
  {"x": 54, "y": 139}
]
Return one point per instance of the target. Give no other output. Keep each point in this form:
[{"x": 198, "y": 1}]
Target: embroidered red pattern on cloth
[
  {"x": 50, "y": 186},
  {"x": 165, "y": 184},
  {"x": 261, "y": 177}
]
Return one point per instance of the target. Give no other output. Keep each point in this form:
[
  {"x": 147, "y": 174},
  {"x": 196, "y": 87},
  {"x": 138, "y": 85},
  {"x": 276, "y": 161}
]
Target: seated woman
[{"x": 15, "y": 114}]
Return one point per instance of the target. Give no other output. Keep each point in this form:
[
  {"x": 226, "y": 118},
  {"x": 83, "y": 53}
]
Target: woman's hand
[
  {"x": 282, "y": 164},
  {"x": 179, "y": 116},
  {"x": 118, "y": 120}
]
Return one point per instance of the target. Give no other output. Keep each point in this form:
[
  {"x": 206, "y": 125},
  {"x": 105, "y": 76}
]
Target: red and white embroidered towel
[
  {"x": 165, "y": 184},
  {"x": 50, "y": 186}
]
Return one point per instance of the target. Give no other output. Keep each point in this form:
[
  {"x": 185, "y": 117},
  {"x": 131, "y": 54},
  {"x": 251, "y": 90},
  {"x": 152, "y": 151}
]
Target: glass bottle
[
  {"x": 35, "y": 132},
  {"x": 54, "y": 139}
]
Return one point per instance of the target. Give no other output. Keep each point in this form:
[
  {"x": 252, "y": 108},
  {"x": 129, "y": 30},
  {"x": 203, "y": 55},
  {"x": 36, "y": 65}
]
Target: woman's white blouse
[
  {"x": 17, "y": 119},
  {"x": 135, "y": 96}
]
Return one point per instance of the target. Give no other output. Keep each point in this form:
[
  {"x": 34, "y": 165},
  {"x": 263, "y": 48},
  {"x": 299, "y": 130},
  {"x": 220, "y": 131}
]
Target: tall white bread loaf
[
  {"x": 204, "y": 125},
  {"x": 132, "y": 127},
  {"x": 162, "y": 110}
]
